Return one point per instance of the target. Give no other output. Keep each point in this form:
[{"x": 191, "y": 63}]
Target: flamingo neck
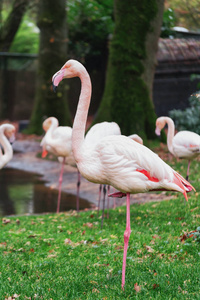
[
  {"x": 170, "y": 134},
  {"x": 7, "y": 149},
  {"x": 79, "y": 125},
  {"x": 49, "y": 133}
]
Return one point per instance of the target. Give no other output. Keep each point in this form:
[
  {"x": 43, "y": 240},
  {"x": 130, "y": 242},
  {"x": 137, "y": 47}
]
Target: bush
[{"x": 188, "y": 119}]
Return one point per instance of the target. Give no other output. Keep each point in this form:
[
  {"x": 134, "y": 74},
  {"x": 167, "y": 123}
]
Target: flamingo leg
[
  {"x": 127, "y": 234},
  {"x": 78, "y": 189},
  {"x": 100, "y": 188},
  {"x": 104, "y": 197},
  {"x": 108, "y": 202},
  {"x": 60, "y": 185},
  {"x": 188, "y": 168},
  {"x": 114, "y": 203}
]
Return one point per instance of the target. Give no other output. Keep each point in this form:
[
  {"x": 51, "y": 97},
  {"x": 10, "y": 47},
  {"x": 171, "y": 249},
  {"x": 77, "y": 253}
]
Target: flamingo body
[
  {"x": 116, "y": 160},
  {"x": 184, "y": 144},
  {"x": 7, "y": 132},
  {"x": 126, "y": 165},
  {"x": 57, "y": 139}
]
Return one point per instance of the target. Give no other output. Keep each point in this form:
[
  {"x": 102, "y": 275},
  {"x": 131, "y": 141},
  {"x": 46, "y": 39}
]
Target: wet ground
[{"x": 26, "y": 159}]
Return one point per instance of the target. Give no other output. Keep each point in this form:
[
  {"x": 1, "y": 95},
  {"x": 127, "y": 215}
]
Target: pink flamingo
[
  {"x": 7, "y": 136},
  {"x": 116, "y": 160},
  {"x": 185, "y": 144},
  {"x": 57, "y": 141}
]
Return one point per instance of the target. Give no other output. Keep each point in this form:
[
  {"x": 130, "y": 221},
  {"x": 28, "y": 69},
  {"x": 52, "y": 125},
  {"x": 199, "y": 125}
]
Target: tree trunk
[
  {"x": 52, "y": 55},
  {"x": 12, "y": 23},
  {"x": 127, "y": 96}
]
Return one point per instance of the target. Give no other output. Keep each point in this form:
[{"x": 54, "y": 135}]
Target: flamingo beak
[
  {"x": 54, "y": 88},
  {"x": 57, "y": 78},
  {"x": 12, "y": 138},
  {"x": 157, "y": 131}
]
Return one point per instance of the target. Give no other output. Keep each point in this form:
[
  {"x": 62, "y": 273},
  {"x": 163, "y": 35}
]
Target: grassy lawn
[{"x": 68, "y": 256}]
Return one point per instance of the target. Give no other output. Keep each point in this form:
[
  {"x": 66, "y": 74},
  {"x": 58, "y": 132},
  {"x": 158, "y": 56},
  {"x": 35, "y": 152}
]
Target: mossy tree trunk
[
  {"x": 127, "y": 97},
  {"x": 52, "y": 56},
  {"x": 9, "y": 28}
]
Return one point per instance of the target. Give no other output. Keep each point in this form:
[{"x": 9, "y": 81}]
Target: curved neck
[
  {"x": 170, "y": 133},
  {"x": 79, "y": 125},
  {"x": 49, "y": 133},
  {"x": 7, "y": 149}
]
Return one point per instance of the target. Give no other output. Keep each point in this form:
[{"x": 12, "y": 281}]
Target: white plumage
[
  {"x": 7, "y": 135},
  {"x": 185, "y": 144}
]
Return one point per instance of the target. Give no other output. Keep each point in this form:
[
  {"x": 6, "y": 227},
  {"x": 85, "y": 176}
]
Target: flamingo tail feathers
[{"x": 183, "y": 184}]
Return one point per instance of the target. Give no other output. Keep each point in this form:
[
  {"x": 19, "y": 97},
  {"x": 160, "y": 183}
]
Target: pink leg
[
  {"x": 114, "y": 203},
  {"x": 127, "y": 234},
  {"x": 187, "y": 177},
  {"x": 60, "y": 185},
  {"x": 100, "y": 188},
  {"x": 104, "y": 198},
  {"x": 108, "y": 191},
  {"x": 78, "y": 188}
]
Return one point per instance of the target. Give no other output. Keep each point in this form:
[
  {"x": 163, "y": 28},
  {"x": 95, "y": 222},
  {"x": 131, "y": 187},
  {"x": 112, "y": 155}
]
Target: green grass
[{"x": 68, "y": 256}]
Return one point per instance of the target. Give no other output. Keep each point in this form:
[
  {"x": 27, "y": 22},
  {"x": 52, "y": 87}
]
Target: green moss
[
  {"x": 126, "y": 99},
  {"x": 52, "y": 55}
]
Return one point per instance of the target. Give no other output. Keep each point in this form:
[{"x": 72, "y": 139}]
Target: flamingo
[
  {"x": 185, "y": 144},
  {"x": 57, "y": 141},
  {"x": 7, "y": 135},
  {"x": 116, "y": 160}
]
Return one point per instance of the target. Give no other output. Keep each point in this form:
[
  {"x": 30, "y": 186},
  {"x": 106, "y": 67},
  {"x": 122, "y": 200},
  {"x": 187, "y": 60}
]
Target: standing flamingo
[
  {"x": 185, "y": 144},
  {"x": 7, "y": 135},
  {"x": 57, "y": 141},
  {"x": 116, "y": 160}
]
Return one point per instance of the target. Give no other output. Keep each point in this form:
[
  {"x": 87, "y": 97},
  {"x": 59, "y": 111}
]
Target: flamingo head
[
  {"x": 160, "y": 124},
  {"x": 48, "y": 122},
  {"x": 9, "y": 131},
  {"x": 72, "y": 68}
]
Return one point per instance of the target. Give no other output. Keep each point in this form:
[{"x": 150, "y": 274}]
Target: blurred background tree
[
  {"x": 127, "y": 98},
  {"x": 52, "y": 22},
  {"x": 11, "y": 15},
  {"x": 187, "y": 13},
  {"x": 90, "y": 26}
]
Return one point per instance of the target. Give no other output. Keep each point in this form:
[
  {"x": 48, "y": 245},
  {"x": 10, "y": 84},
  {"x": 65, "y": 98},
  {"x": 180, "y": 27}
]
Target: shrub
[{"x": 188, "y": 119}]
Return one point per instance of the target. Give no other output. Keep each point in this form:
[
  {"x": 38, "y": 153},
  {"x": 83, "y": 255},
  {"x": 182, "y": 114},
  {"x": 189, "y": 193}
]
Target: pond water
[{"x": 25, "y": 193}]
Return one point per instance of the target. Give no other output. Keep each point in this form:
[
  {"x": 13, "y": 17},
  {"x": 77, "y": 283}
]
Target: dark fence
[
  {"x": 17, "y": 82},
  {"x": 177, "y": 60}
]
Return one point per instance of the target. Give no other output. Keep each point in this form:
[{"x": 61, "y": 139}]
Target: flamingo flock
[
  {"x": 116, "y": 160},
  {"x": 104, "y": 156}
]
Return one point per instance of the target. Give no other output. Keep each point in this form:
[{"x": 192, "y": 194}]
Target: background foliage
[{"x": 188, "y": 119}]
